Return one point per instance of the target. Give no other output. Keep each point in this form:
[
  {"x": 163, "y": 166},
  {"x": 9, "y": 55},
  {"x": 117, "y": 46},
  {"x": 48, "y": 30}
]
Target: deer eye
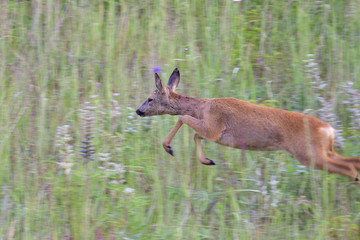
[{"x": 149, "y": 99}]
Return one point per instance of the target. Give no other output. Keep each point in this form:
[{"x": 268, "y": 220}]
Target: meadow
[{"x": 78, "y": 163}]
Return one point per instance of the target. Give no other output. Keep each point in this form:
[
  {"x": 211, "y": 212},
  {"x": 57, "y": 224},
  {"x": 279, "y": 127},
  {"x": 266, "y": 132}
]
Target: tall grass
[{"x": 77, "y": 163}]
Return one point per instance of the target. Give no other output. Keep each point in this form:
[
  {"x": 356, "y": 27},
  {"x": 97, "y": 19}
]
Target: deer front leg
[
  {"x": 170, "y": 136},
  {"x": 201, "y": 129}
]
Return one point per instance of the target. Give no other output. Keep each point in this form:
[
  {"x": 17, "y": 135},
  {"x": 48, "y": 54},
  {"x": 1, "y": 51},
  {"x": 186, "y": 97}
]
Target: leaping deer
[{"x": 240, "y": 124}]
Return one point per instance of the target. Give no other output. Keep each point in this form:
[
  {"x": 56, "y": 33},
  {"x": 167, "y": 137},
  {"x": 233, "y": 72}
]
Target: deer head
[{"x": 160, "y": 101}]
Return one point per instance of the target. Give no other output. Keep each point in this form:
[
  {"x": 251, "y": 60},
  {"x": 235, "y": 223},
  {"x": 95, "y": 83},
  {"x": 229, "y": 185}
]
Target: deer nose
[{"x": 140, "y": 113}]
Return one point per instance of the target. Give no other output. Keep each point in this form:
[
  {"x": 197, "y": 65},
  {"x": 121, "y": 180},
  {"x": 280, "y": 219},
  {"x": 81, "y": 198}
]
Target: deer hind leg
[
  {"x": 200, "y": 152},
  {"x": 353, "y": 160},
  {"x": 323, "y": 161},
  {"x": 334, "y": 155},
  {"x": 335, "y": 162},
  {"x": 343, "y": 168}
]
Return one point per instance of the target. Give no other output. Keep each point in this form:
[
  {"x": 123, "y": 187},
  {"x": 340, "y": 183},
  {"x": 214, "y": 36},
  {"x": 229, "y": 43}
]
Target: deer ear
[
  {"x": 159, "y": 84},
  {"x": 174, "y": 80}
]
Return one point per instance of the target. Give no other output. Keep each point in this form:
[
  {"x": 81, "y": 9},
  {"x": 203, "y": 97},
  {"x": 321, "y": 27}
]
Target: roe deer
[{"x": 240, "y": 124}]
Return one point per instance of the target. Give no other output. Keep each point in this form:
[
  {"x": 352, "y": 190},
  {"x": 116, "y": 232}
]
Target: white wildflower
[
  {"x": 129, "y": 190},
  {"x": 66, "y": 166}
]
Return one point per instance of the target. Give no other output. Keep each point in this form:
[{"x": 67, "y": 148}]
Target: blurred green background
[{"x": 77, "y": 163}]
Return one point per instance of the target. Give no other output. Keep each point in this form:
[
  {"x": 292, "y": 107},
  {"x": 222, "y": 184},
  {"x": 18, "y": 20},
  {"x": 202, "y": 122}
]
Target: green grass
[{"x": 88, "y": 65}]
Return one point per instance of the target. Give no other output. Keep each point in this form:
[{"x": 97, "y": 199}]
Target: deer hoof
[
  {"x": 211, "y": 162},
  {"x": 169, "y": 150}
]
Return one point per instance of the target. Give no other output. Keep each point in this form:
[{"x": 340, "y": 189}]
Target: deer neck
[{"x": 184, "y": 105}]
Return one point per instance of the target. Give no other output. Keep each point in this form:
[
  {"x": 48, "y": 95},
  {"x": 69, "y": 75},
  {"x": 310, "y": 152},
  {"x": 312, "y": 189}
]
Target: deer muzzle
[{"x": 140, "y": 113}]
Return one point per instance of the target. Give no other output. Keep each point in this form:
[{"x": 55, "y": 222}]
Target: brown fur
[{"x": 240, "y": 124}]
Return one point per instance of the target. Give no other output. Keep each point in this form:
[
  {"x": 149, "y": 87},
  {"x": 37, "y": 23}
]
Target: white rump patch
[{"x": 328, "y": 131}]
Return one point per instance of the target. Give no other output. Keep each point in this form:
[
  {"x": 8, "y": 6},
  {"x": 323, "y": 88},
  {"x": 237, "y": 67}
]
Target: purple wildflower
[
  {"x": 157, "y": 69},
  {"x": 260, "y": 61}
]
